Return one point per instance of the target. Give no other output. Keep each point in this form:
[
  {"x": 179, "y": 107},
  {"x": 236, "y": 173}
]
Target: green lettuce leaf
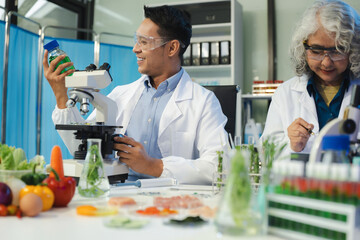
[
  {"x": 23, "y": 165},
  {"x": 19, "y": 156},
  {"x": 6, "y": 157}
]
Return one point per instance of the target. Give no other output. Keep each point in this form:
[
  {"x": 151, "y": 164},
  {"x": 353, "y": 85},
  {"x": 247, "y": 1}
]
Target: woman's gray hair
[{"x": 337, "y": 18}]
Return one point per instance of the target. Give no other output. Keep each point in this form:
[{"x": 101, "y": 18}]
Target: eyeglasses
[
  {"x": 149, "y": 43},
  {"x": 319, "y": 53}
]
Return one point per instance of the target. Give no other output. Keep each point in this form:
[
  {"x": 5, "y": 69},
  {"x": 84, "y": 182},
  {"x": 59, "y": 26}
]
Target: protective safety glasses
[
  {"x": 318, "y": 53},
  {"x": 149, "y": 43}
]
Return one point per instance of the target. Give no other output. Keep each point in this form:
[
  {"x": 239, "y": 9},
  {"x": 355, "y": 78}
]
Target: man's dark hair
[{"x": 173, "y": 24}]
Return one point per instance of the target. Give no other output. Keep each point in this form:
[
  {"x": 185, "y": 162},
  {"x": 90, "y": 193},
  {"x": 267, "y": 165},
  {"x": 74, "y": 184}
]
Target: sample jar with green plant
[
  {"x": 235, "y": 215},
  {"x": 93, "y": 180}
]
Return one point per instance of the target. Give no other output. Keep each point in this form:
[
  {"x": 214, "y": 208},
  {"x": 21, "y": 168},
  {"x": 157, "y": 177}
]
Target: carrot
[{"x": 56, "y": 162}]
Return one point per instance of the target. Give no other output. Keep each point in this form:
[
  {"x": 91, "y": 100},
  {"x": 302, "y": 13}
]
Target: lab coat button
[
  {"x": 149, "y": 120},
  {"x": 145, "y": 142}
]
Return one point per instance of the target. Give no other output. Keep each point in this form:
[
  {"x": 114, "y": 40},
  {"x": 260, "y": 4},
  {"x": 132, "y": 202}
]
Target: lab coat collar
[
  {"x": 300, "y": 84},
  {"x": 135, "y": 90},
  {"x": 172, "y": 111},
  {"x": 306, "y": 101},
  {"x": 184, "y": 90}
]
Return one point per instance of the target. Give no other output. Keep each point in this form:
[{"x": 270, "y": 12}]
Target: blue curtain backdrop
[
  {"x": 22, "y": 86},
  {"x": 123, "y": 64},
  {"x": 2, "y": 40},
  {"x": 22, "y": 90}
]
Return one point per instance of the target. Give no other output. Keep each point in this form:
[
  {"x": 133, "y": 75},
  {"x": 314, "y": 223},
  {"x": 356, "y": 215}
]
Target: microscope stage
[{"x": 115, "y": 171}]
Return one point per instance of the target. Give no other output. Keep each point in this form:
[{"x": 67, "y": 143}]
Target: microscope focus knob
[{"x": 349, "y": 126}]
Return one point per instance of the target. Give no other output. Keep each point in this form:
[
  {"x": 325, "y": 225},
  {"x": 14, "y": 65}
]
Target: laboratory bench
[{"x": 65, "y": 223}]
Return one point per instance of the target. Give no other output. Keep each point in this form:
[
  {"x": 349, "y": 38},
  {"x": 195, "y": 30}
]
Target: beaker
[
  {"x": 239, "y": 211},
  {"x": 93, "y": 180}
]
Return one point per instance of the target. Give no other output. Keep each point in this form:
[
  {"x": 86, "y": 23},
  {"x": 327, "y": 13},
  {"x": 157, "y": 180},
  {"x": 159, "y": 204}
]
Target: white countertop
[{"x": 64, "y": 223}]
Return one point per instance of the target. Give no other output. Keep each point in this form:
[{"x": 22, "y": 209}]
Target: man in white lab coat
[
  {"x": 173, "y": 126},
  {"x": 326, "y": 54}
]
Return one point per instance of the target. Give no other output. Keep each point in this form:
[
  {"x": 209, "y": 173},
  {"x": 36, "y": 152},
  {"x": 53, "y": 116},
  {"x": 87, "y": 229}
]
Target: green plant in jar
[
  {"x": 220, "y": 168},
  {"x": 93, "y": 181},
  {"x": 241, "y": 187},
  {"x": 270, "y": 151},
  {"x": 255, "y": 163},
  {"x": 234, "y": 214}
]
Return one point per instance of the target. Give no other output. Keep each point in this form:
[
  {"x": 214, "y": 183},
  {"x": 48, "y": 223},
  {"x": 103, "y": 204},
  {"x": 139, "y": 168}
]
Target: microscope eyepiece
[
  {"x": 91, "y": 67},
  {"x": 105, "y": 66}
]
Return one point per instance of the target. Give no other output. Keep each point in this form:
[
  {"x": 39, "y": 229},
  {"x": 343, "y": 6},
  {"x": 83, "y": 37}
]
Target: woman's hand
[
  {"x": 298, "y": 133},
  {"x": 57, "y": 80}
]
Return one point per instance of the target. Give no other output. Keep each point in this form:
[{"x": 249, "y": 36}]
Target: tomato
[
  {"x": 3, "y": 210},
  {"x": 12, "y": 209}
]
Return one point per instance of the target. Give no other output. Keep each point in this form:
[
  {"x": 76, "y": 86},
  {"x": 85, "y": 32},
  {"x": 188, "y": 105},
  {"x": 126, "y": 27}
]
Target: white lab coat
[
  {"x": 291, "y": 101},
  {"x": 191, "y": 128}
]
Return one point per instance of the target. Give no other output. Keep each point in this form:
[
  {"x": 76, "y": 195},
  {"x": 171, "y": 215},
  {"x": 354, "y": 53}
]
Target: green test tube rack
[{"x": 299, "y": 218}]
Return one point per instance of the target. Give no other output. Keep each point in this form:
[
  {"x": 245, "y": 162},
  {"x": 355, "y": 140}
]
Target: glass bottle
[
  {"x": 238, "y": 209},
  {"x": 54, "y": 52},
  {"x": 93, "y": 180},
  {"x": 335, "y": 149}
]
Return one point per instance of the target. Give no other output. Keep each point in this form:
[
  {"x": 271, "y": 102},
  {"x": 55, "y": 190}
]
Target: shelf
[
  {"x": 210, "y": 74},
  {"x": 213, "y": 29},
  {"x": 251, "y": 96},
  {"x": 208, "y": 68}
]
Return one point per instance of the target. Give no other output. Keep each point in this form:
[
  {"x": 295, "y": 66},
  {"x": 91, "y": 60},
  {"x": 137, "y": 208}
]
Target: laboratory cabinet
[
  {"x": 216, "y": 26},
  {"x": 246, "y": 105}
]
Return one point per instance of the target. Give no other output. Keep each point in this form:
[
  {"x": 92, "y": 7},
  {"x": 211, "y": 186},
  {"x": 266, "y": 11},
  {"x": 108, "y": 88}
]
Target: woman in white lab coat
[{"x": 325, "y": 51}]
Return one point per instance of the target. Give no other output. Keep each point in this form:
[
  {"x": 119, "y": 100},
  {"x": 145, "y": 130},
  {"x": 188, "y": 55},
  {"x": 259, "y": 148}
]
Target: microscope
[
  {"x": 84, "y": 89},
  {"x": 349, "y": 124}
]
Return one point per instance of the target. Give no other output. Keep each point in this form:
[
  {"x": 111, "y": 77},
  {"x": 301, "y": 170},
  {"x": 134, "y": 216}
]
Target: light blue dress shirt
[{"x": 144, "y": 123}]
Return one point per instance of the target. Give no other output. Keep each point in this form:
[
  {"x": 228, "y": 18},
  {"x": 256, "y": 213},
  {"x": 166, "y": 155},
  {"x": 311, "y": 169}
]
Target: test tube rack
[{"x": 300, "y": 218}]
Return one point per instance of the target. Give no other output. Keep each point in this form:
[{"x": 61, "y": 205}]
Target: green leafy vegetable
[
  {"x": 24, "y": 165},
  {"x": 7, "y": 161},
  {"x": 124, "y": 222},
  {"x": 12, "y": 158},
  {"x": 189, "y": 221},
  {"x": 19, "y": 156}
]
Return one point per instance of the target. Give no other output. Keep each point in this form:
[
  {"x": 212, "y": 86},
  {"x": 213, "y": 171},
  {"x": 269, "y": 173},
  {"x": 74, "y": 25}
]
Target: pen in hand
[{"x": 308, "y": 130}]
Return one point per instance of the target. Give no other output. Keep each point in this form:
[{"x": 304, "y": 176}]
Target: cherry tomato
[
  {"x": 12, "y": 209},
  {"x": 3, "y": 210}
]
